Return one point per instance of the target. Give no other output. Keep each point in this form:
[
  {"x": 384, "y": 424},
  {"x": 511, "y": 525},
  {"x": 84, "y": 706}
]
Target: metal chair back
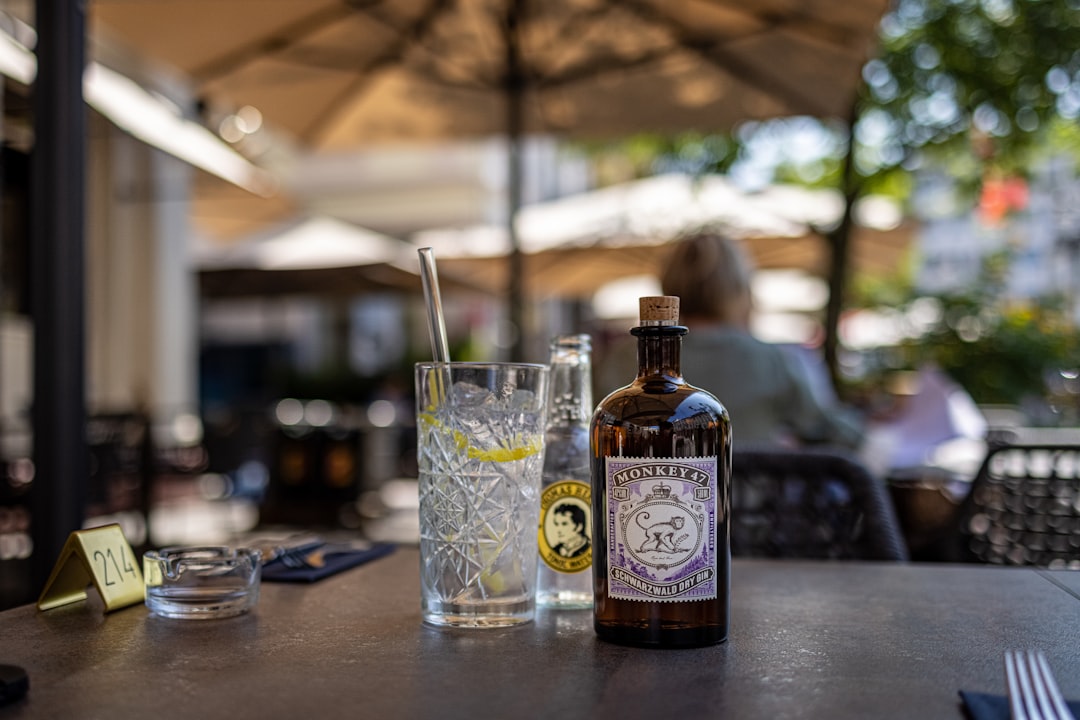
[
  {"x": 1024, "y": 508},
  {"x": 813, "y": 503}
]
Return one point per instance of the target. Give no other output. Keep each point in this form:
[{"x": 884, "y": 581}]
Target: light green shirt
[{"x": 766, "y": 391}]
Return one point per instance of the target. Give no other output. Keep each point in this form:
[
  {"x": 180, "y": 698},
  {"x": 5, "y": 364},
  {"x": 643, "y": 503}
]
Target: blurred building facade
[{"x": 1035, "y": 222}]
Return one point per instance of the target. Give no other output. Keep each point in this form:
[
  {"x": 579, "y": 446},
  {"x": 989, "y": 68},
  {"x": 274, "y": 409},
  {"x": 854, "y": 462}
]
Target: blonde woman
[{"x": 764, "y": 388}]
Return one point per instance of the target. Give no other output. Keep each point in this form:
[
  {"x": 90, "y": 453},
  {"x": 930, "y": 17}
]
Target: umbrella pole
[
  {"x": 515, "y": 91},
  {"x": 61, "y": 458}
]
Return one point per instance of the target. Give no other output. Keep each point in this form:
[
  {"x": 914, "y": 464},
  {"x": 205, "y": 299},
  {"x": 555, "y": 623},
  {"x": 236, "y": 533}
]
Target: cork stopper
[{"x": 659, "y": 310}]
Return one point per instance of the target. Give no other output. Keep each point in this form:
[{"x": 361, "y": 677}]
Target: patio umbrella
[
  {"x": 578, "y": 272},
  {"x": 342, "y": 73},
  {"x": 574, "y": 245},
  {"x": 310, "y": 256}
]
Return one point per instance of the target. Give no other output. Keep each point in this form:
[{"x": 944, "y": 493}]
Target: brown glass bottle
[{"x": 661, "y": 459}]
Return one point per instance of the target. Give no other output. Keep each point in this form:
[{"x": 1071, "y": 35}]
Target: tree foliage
[
  {"x": 964, "y": 83},
  {"x": 1000, "y": 351},
  {"x": 980, "y": 89},
  {"x": 969, "y": 82}
]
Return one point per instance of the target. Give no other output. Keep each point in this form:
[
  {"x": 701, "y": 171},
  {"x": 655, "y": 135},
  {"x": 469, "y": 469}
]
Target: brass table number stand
[{"x": 100, "y": 556}]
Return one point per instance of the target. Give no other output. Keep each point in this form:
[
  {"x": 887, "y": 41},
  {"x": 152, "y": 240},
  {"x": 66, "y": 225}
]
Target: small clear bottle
[{"x": 564, "y": 577}]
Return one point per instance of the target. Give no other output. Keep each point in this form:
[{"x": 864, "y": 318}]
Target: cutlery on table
[{"x": 1033, "y": 692}]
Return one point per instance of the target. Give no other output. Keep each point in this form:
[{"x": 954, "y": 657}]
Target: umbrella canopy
[
  {"x": 338, "y": 73},
  {"x": 309, "y": 243},
  {"x": 574, "y": 245},
  {"x": 310, "y": 256},
  {"x": 578, "y": 272},
  {"x": 343, "y": 73}
]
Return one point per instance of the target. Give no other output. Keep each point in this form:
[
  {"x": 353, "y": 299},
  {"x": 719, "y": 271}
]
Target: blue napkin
[
  {"x": 334, "y": 562},
  {"x": 981, "y": 706}
]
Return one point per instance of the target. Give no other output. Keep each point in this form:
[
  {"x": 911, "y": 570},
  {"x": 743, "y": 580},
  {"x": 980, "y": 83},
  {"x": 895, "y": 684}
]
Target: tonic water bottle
[{"x": 564, "y": 579}]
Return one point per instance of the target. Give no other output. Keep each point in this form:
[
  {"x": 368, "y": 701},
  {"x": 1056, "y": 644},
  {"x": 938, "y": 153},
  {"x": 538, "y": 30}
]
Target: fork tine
[
  {"x": 1017, "y": 709},
  {"x": 1050, "y": 696},
  {"x": 1039, "y": 697}
]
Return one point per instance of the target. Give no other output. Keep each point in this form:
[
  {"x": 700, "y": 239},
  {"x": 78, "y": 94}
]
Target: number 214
[{"x": 107, "y": 557}]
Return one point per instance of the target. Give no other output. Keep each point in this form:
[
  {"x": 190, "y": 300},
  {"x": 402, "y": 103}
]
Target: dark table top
[{"x": 808, "y": 640}]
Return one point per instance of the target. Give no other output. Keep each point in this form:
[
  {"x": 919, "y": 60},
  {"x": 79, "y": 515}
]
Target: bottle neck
[
  {"x": 660, "y": 351},
  {"x": 570, "y": 385}
]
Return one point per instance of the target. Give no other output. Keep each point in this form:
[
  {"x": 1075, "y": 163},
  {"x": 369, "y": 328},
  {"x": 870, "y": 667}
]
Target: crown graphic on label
[{"x": 661, "y": 490}]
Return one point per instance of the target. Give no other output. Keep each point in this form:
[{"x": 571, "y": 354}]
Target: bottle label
[
  {"x": 662, "y": 525},
  {"x": 566, "y": 526}
]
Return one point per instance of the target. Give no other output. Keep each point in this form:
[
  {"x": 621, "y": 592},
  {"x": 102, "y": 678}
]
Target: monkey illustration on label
[{"x": 661, "y": 534}]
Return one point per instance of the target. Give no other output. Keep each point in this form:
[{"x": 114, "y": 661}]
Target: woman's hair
[{"x": 710, "y": 274}]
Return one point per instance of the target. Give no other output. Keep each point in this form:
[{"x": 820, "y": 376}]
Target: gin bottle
[
  {"x": 661, "y": 458},
  {"x": 564, "y": 579}
]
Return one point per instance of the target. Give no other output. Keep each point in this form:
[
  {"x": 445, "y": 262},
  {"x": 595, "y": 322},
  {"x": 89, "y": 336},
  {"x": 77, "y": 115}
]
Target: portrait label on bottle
[
  {"x": 661, "y": 527},
  {"x": 565, "y": 535}
]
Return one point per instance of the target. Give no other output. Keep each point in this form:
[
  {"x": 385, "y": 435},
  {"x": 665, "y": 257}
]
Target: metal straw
[{"x": 436, "y": 323}]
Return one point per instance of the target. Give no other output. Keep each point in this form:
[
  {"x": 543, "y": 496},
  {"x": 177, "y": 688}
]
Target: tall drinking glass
[{"x": 480, "y": 446}]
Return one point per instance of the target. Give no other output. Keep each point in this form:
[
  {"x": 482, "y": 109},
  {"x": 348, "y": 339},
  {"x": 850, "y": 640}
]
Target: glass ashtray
[{"x": 201, "y": 583}]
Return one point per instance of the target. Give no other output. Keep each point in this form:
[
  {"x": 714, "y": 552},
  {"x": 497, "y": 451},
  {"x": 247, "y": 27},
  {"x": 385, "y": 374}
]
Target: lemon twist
[{"x": 519, "y": 448}]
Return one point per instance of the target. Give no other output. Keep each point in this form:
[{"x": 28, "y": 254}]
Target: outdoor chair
[
  {"x": 814, "y": 504},
  {"x": 1023, "y": 508}
]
